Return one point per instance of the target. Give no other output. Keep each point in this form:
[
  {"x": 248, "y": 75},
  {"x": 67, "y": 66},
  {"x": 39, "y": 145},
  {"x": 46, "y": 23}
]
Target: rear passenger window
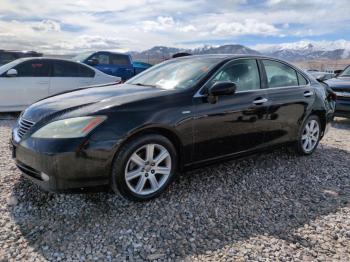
[
  {"x": 302, "y": 80},
  {"x": 84, "y": 71},
  {"x": 33, "y": 68},
  {"x": 280, "y": 75},
  {"x": 244, "y": 73},
  {"x": 65, "y": 69}
]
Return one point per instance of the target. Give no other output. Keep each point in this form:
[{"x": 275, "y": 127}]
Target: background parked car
[
  {"x": 341, "y": 86},
  {"x": 323, "y": 76},
  {"x": 112, "y": 63},
  {"x": 7, "y": 56},
  {"x": 27, "y": 80}
]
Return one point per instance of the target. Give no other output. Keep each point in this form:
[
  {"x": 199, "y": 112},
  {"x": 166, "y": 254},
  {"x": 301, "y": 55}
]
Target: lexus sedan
[
  {"x": 341, "y": 86},
  {"x": 27, "y": 80},
  {"x": 183, "y": 113}
]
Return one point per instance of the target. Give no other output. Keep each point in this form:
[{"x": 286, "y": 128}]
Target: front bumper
[{"x": 68, "y": 168}]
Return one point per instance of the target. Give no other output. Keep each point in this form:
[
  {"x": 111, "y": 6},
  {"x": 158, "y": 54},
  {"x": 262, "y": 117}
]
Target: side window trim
[
  {"x": 199, "y": 92},
  {"x": 286, "y": 64}
]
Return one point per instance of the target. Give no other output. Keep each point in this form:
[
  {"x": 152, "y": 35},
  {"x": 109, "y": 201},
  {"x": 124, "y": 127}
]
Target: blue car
[{"x": 116, "y": 64}]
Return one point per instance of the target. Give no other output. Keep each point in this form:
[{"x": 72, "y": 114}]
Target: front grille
[{"x": 23, "y": 127}]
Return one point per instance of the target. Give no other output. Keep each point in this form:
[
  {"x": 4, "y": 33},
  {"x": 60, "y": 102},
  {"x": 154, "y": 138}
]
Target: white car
[{"x": 27, "y": 80}]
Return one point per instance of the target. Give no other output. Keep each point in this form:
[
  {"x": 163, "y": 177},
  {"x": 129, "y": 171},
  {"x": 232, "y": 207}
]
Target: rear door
[
  {"x": 290, "y": 96},
  {"x": 30, "y": 85},
  {"x": 65, "y": 76},
  {"x": 85, "y": 76}
]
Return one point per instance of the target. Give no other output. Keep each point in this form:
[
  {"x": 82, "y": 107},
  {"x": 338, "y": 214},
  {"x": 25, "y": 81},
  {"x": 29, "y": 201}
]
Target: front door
[{"x": 235, "y": 123}]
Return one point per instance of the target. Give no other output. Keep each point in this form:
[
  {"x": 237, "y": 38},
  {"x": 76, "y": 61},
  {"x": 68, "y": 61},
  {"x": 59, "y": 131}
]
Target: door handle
[
  {"x": 308, "y": 93},
  {"x": 260, "y": 101},
  {"x": 43, "y": 82}
]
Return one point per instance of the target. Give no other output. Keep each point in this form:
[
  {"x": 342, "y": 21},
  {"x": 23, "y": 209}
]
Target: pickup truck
[
  {"x": 7, "y": 56},
  {"x": 116, "y": 64}
]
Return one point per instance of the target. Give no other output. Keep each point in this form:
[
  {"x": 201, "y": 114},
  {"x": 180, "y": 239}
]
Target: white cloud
[
  {"x": 47, "y": 25},
  {"x": 248, "y": 27},
  {"x": 162, "y": 23},
  {"x": 67, "y": 26},
  {"x": 188, "y": 28}
]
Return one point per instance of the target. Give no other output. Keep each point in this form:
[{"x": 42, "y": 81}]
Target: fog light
[{"x": 44, "y": 176}]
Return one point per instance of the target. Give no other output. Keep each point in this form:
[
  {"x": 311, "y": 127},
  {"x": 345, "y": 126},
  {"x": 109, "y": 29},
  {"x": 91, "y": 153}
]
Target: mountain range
[{"x": 301, "y": 51}]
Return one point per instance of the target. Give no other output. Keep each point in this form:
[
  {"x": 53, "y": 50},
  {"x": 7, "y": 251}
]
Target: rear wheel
[
  {"x": 144, "y": 167},
  {"x": 309, "y": 136}
]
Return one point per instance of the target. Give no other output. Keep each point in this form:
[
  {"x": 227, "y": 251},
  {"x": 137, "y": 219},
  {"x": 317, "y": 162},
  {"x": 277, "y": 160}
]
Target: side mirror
[
  {"x": 12, "y": 73},
  {"x": 222, "y": 88},
  {"x": 92, "y": 62},
  {"x": 337, "y": 72}
]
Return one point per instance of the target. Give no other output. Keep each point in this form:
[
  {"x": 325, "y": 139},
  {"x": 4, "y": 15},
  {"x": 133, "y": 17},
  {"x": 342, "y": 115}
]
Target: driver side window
[
  {"x": 103, "y": 59},
  {"x": 244, "y": 73}
]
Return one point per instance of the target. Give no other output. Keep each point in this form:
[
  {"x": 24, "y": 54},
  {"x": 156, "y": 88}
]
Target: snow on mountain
[
  {"x": 297, "y": 51},
  {"x": 307, "y": 50}
]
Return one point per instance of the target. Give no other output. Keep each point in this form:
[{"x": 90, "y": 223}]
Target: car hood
[
  {"x": 94, "y": 97},
  {"x": 339, "y": 83}
]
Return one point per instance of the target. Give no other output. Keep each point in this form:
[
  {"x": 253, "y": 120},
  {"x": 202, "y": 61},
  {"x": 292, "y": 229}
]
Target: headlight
[{"x": 70, "y": 128}]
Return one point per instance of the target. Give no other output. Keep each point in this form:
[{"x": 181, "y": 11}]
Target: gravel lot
[{"x": 276, "y": 206}]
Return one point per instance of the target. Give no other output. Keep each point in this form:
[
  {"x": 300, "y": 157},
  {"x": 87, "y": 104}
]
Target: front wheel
[
  {"x": 144, "y": 167},
  {"x": 309, "y": 136}
]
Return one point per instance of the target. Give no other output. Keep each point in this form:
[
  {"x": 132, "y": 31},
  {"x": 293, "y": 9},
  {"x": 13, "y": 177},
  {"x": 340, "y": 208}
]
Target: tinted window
[
  {"x": 7, "y": 58},
  {"x": 65, "y": 69},
  {"x": 119, "y": 59},
  {"x": 302, "y": 80},
  {"x": 84, "y": 71},
  {"x": 244, "y": 73},
  {"x": 101, "y": 58},
  {"x": 280, "y": 75},
  {"x": 33, "y": 68}
]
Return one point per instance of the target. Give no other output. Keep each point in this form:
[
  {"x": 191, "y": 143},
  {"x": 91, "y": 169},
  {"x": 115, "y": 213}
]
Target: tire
[
  {"x": 309, "y": 137},
  {"x": 140, "y": 175}
]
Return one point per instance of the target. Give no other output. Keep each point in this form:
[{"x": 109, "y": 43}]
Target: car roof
[
  {"x": 228, "y": 56},
  {"x": 23, "y": 59}
]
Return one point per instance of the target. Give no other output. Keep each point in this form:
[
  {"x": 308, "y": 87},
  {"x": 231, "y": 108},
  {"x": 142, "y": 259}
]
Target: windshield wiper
[{"x": 141, "y": 84}]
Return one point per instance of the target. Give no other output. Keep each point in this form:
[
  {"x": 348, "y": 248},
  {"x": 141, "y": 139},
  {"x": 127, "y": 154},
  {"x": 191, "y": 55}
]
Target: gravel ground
[{"x": 275, "y": 206}]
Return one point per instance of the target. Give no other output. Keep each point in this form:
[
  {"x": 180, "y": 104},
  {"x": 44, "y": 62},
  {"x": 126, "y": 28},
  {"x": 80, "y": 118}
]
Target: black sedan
[
  {"x": 341, "y": 86},
  {"x": 183, "y": 113}
]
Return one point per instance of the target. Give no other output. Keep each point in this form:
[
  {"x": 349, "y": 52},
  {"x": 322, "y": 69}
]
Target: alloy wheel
[
  {"x": 310, "y": 136},
  {"x": 147, "y": 169}
]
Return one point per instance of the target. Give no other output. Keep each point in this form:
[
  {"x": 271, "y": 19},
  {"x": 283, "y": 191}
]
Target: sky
[{"x": 73, "y": 26}]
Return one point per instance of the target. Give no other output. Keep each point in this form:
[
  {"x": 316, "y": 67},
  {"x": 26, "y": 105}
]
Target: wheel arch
[
  {"x": 322, "y": 116},
  {"x": 170, "y": 134}
]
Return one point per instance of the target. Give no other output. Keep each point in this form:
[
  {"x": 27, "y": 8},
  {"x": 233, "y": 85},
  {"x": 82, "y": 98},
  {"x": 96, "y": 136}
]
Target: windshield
[
  {"x": 346, "y": 72},
  {"x": 81, "y": 57},
  {"x": 176, "y": 73}
]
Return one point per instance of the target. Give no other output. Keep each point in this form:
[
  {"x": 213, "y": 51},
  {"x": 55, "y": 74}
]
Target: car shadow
[{"x": 204, "y": 210}]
